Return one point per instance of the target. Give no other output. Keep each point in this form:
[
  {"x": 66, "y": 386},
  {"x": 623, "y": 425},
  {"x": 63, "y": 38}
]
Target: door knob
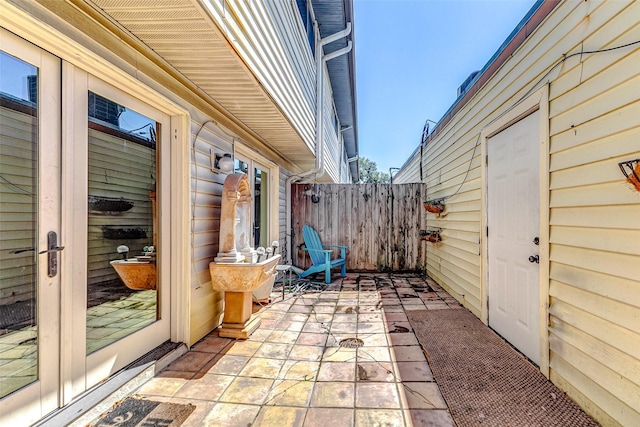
[{"x": 534, "y": 258}]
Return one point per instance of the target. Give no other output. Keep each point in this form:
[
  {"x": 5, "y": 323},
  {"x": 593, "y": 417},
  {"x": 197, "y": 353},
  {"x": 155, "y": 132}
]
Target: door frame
[{"x": 537, "y": 101}]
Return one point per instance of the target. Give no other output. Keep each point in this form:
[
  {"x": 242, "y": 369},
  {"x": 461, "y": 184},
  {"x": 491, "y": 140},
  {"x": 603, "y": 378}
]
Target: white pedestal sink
[{"x": 238, "y": 281}]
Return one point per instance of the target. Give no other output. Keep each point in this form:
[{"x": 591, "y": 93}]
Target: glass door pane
[
  {"x": 18, "y": 223},
  {"x": 260, "y": 208},
  {"x": 122, "y": 238}
]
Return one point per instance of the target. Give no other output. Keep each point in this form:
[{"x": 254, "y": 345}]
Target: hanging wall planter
[
  {"x": 109, "y": 204},
  {"x": 434, "y": 206},
  {"x": 116, "y": 233},
  {"x": 431, "y": 235},
  {"x": 631, "y": 171}
]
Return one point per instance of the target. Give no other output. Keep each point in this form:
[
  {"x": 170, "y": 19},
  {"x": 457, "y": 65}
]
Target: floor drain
[{"x": 351, "y": 343}]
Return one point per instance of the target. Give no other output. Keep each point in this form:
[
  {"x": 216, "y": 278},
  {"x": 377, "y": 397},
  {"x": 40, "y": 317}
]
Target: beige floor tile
[
  {"x": 243, "y": 348},
  {"x": 402, "y": 339},
  {"x": 290, "y": 393},
  {"x": 230, "y": 414},
  {"x": 162, "y": 386},
  {"x": 306, "y": 352},
  {"x": 300, "y": 370},
  {"x": 421, "y": 395},
  {"x": 429, "y": 418},
  {"x": 374, "y": 354},
  {"x": 410, "y": 353},
  {"x": 228, "y": 364},
  {"x": 209, "y": 387},
  {"x": 329, "y": 417},
  {"x": 308, "y": 338},
  {"x": 283, "y": 337},
  {"x": 377, "y": 395},
  {"x": 273, "y": 350},
  {"x": 373, "y": 339},
  {"x": 379, "y": 417},
  {"x": 247, "y": 390},
  {"x": 333, "y": 395},
  {"x": 337, "y": 371},
  {"x": 414, "y": 371},
  {"x": 375, "y": 372},
  {"x": 339, "y": 354},
  {"x": 276, "y": 416},
  {"x": 258, "y": 367},
  {"x": 211, "y": 344}
]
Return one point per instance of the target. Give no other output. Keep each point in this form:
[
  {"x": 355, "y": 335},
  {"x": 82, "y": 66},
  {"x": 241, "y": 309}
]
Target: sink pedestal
[
  {"x": 238, "y": 281},
  {"x": 238, "y": 321}
]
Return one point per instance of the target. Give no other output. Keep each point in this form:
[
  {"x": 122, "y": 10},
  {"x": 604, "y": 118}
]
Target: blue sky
[{"x": 411, "y": 56}]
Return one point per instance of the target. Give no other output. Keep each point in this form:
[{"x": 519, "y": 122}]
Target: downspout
[{"x": 321, "y": 60}]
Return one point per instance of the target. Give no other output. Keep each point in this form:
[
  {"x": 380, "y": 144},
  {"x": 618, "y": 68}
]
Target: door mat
[
  {"x": 145, "y": 413},
  {"x": 484, "y": 381}
]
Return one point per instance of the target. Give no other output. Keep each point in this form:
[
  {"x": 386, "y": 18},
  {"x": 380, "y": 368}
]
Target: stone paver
[{"x": 294, "y": 371}]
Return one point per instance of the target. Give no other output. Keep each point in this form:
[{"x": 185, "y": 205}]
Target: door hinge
[
  {"x": 487, "y": 231},
  {"x": 486, "y": 160}
]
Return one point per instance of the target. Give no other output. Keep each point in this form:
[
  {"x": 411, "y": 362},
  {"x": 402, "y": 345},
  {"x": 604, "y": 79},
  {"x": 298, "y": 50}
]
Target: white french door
[
  {"x": 84, "y": 173},
  {"x": 513, "y": 219},
  {"x": 30, "y": 277}
]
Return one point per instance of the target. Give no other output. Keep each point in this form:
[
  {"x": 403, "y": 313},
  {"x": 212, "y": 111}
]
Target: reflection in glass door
[
  {"x": 259, "y": 178},
  {"x": 122, "y": 238}
]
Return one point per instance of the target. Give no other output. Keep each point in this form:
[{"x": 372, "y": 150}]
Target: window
[{"x": 305, "y": 14}]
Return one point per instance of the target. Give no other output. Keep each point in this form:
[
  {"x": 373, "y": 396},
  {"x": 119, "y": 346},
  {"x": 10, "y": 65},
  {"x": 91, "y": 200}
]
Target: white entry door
[{"x": 513, "y": 218}]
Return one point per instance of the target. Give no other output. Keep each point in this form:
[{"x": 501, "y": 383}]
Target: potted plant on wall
[{"x": 434, "y": 206}]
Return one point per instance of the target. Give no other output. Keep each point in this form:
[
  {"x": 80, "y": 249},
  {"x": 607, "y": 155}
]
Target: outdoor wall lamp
[{"x": 221, "y": 162}]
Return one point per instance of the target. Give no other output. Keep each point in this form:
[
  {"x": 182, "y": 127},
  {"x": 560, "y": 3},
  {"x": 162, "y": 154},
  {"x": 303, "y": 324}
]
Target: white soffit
[{"x": 186, "y": 37}]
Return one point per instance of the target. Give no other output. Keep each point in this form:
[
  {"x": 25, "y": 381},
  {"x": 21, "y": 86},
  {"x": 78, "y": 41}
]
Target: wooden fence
[{"x": 380, "y": 223}]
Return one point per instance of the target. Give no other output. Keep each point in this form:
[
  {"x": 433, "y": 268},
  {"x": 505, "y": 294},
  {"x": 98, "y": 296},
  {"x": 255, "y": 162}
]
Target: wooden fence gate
[{"x": 380, "y": 223}]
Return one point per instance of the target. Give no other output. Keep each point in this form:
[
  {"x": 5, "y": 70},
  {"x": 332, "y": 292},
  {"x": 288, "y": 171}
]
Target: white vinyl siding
[{"x": 594, "y": 226}]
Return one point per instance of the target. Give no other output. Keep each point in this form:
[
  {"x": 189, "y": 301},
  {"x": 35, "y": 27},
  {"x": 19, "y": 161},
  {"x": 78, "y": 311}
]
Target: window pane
[
  {"x": 18, "y": 223},
  {"x": 122, "y": 274},
  {"x": 260, "y": 205}
]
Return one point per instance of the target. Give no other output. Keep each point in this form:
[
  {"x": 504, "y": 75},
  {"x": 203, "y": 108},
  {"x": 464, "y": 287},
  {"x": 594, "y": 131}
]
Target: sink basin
[
  {"x": 238, "y": 281},
  {"x": 137, "y": 275},
  {"x": 242, "y": 277}
]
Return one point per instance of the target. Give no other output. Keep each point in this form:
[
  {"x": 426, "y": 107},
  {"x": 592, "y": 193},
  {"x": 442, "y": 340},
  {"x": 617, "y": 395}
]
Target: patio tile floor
[{"x": 293, "y": 370}]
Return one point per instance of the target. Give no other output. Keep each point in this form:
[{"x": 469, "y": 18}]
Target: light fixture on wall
[{"x": 221, "y": 162}]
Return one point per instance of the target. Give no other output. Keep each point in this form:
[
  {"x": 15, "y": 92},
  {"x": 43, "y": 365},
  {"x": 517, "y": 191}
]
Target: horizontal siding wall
[
  {"x": 594, "y": 332},
  {"x": 595, "y": 219},
  {"x": 207, "y": 305}
]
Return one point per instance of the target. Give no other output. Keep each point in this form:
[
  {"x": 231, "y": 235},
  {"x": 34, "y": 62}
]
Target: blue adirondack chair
[{"x": 321, "y": 257}]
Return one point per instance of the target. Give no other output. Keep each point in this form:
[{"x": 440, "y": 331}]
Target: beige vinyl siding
[
  {"x": 206, "y": 195},
  {"x": 17, "y": 205},
  {"x": 595, "y": 221},
  {"x": 594, "y": 286}
]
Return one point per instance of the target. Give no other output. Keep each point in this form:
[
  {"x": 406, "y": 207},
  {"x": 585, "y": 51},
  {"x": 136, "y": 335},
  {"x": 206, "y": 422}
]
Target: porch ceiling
[{"x": 184, "y": 35}]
